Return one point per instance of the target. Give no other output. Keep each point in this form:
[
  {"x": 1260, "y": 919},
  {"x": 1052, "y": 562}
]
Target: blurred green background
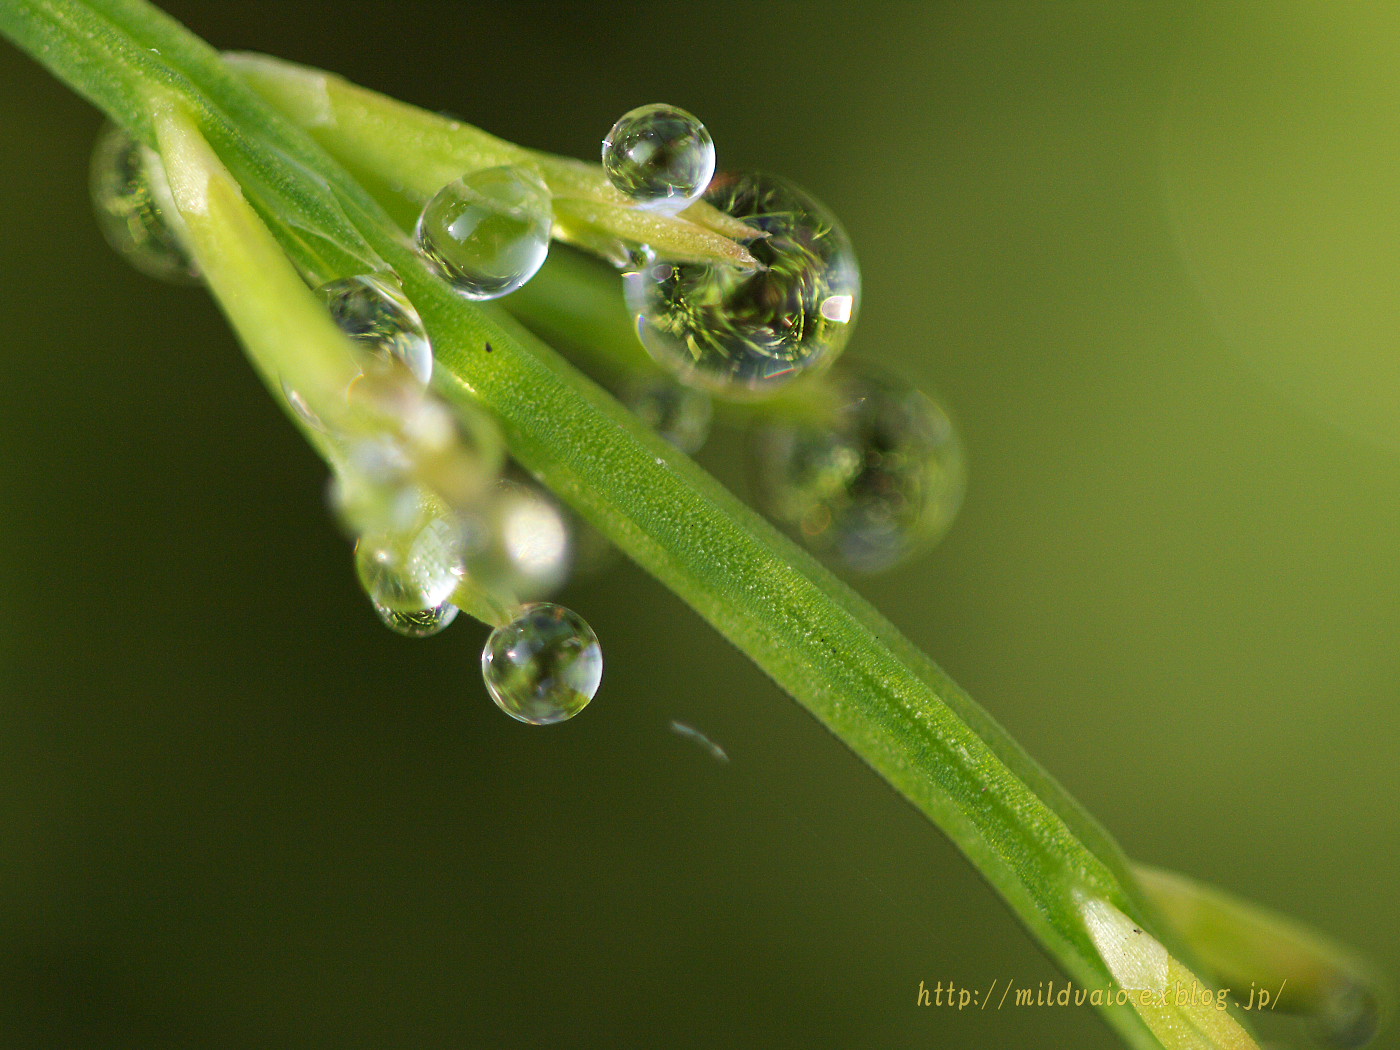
[{"x": 1149, "y": 253}]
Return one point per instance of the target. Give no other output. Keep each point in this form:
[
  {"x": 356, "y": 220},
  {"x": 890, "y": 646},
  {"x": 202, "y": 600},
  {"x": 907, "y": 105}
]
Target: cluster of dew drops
[{"x": 871, "y": 474}]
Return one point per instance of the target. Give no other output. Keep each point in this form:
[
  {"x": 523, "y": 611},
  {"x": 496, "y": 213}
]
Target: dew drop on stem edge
[
  {"x": 878, "y": 482},
  {"x": 374, "y": 312},
  {"x": 544, "y": 666},
  {"x": 133, "y": 207},
  {"x": 742, "y": 334},
  {"x": 660, "y": 156},
  {"x": 488, "y": 232}
]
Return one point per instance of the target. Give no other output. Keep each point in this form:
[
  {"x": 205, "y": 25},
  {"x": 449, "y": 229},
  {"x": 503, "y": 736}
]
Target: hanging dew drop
[
  {"x": 544, "y": 666},
  {"x": 410, "y": 576},
  {"x": 373, "y": 311},
  {"x": 742, "y": 334},
  {"x": 660, "y": 156},
  {"x": 133, "y": 207},
  {"x": 879, "y": 482},
  {"x": 680, "y": 414},
  {"x": 488, "y": 232}
]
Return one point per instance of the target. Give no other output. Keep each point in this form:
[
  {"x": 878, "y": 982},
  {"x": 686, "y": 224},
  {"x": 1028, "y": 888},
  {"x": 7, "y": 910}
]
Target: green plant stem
[{"x": 817, "y": 639}]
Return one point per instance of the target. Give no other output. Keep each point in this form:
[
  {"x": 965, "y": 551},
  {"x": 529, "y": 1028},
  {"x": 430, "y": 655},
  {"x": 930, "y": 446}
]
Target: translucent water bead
[
  {"x": 678, "y": 413},
  {"x": 660, "y": 156},
  {"x": 488, "y": 232},
  {"x": 880, "y": 482},
  {"x": 411, "y": 575},
  {"x": 401, "y": 438},
  {"x": 373, "y": 311},
  {"x": 518, "y": 543},
  {"x": 544, "y": 666},
  {"x": 133, "y": 208},
  {"x": 744, "y": 333}
]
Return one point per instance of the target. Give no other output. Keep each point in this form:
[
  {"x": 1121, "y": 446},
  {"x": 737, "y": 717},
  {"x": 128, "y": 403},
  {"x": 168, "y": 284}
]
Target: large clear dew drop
[
  {"x": 374, "y": 312},
  {"x": 660, "y": 156},
  {"x": 742, "y": 334},
  {"x": 878, "y": 482},
  {"x": 488, "y": 232},
  {"x": 133, "y": 207},
  {"x": 544, "y": 666}
]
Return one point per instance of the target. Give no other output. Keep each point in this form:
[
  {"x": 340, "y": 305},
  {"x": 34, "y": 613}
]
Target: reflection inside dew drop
[
  {"x": 374, "y": 312},
  {"x": 134, "y": 211},
  {"x": 488, "y": 232},
  {"x": 419, "y": 623}
]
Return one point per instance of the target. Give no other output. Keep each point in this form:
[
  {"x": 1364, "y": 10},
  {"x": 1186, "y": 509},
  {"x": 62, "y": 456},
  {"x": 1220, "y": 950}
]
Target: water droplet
[
  {"x": 680, "y": 414},
  {"x": 303, "y": 410},
  {"x": 880, "y": 482},
  {"x": 133, "y": 207},
  {"x": 373, "y": 490},
  {"x": 373, "y": 311},
  {"x": 488, "y": 232},
  {"x": 411, "y": 574},
  {"x": 660, "y": 156},
  {"x": 407, "y": 434},
  {"x": 1350, "y": 1015},
  {"x": 544, "y": 666},
  {"x": 519, "y": 544},
  {"x": 744, "y": 333}
]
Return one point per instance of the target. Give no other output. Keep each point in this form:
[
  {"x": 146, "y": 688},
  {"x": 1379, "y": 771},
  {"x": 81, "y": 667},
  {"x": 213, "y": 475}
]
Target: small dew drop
[
  {"x": 544, "y": 666},
  {"x": 660, "y": 156},
  {"x": 133, "y": 207},
  {"x": 303, "y": 411},
  {"x": 488, "y": 232},
  {"x": 373, "y": 311}
]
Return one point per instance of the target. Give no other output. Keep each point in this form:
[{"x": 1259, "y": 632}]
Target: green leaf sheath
[{"x": 814, "y": 636}]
